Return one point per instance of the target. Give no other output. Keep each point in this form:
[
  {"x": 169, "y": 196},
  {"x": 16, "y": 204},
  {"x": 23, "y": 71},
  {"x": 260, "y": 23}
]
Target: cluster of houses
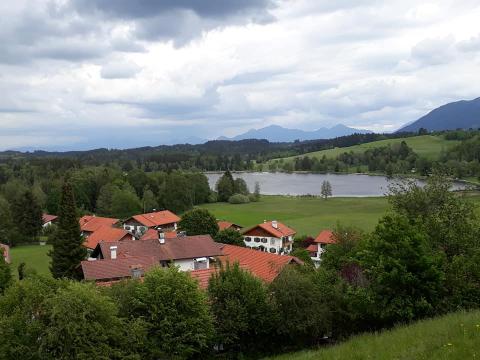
[{"x": 127, "y": 249}]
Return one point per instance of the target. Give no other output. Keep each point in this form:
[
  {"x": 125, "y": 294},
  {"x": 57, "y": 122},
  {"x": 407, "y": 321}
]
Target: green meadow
[
  {"x": 454, "y": 337},
  {"x": 34, "y": 256}
]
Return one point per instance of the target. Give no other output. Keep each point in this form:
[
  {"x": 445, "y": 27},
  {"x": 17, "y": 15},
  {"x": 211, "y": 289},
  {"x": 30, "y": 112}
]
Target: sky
[{"x": 80, "y": 74}]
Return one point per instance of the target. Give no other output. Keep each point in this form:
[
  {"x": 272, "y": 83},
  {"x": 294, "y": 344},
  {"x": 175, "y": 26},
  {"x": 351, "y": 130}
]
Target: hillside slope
[
  {"x": 455, "y": 336},
  {"x": 426, "y": 145},
  {"x": 456, "y": 115}
]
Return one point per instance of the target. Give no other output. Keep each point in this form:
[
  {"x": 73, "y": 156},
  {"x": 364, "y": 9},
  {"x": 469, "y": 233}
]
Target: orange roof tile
[
  {"x": 91, "y": 223},
  {"x": 312, "y": 248},
  {"x": 108, "y": 234},
  {"x": 279, "y": 231},
  {"x": 152, "y": 234},
  {"x": 48, "y": 218},
  {"x": 325, "y": 237},
  {"x": 157, "y": 218},
  {"x": 263, "y": 265},
  {"x": 222, "y": 225}
]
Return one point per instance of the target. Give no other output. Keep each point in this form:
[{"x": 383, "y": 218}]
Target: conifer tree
[{"x": 68, "y": 250}]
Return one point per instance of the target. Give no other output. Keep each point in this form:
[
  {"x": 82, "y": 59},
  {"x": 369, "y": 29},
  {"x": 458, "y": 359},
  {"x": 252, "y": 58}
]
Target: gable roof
[
  {"x": 158, "y": 218},
  {"x": 325, "y": 237},
  {"x": 152, "y": 234},
  {"x": 91, "y": 223},
  {"x": 48, "y": 218},
  {"x": 107, "y": 234},
  {"x": 264, "y": 265},
  {"x": 186, "y": 247},
  {"x": 279, "y": 231},
  {"x": 115, "y": 269},
  {"x": 222, "y": 225}
]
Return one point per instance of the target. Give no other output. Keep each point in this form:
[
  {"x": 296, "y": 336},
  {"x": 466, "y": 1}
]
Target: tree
[
  {"x": 104, "y": 205},
  {"x": 28, "y": 216},
  {"x": 240, "y": 187},
  {"x": 326, "y": 189},
  {"x": 303, "y": 255},
  {"x": 148, "y": 201},
  {"x": 405, "y": 277},
  {"x": 256, "y": 192},
  {"x": 303, "y": 316},
  {"x": 230, "y": 236},
  {"x": 178, "y": 193},
  {"x": 5, "y": 274},
  {"x": 125, "y": 203},
  {"x": 242, "y": 312},
  {"x": 175, "y": 311},
  {"x": 225, "y": 186},
  {"x": 68, "y": 250},
  {"x": 7, "y": 228},
  {"x": 199, "y": 222}
]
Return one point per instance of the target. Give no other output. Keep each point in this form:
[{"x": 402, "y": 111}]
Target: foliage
[
  {"x": 225, "y": 186},
  {"x": 28, "y": 216},
  {"x": 242, "y": 312},
  {"x": 238, "y": 199},
  {"x": 256, "y": 192},
  {"x": 7, "y": 232},
  {"x": 303, "y": 255},
  {"x": 240, "y": 187},
  {"x": 199, "y": 222},
  {"x": 68, "y": 250},
  {"x": 230, "y": 236},
  {"x": 326, "y": 190},
  {"x": 5, "y": 274}
]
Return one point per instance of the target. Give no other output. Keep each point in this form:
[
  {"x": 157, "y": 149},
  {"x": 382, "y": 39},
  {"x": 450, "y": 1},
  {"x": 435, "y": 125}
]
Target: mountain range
[
  {"x": 276, "y": 133},
  {"x": 464, "y": 114}
]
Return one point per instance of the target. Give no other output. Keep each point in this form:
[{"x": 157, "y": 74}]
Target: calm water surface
[{"x": 304, "y": 184}]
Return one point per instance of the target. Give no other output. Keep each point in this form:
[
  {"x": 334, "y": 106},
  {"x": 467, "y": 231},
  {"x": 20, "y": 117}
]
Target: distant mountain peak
[
  {"x": 462, "y": 114},
  {"x": 277, "y": 133}
]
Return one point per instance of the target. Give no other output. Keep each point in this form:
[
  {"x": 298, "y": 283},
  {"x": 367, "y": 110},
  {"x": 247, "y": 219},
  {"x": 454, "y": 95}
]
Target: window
[
  {"x": 257, "y": 239},
  {"x": 272, "y": 241},
  {"x": 264, "y": 240},
  {"x": 273, "y": 250},
  {"x": 248, "y": 239}
]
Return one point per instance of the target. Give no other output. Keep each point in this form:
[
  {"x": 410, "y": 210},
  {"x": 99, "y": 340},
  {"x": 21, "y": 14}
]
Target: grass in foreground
[
  {"x": 428, "y": 146},
  {"x": 454, "y": 336},
  {"x": 308, "y": 216},
  {"x": 34, "y": 256}
]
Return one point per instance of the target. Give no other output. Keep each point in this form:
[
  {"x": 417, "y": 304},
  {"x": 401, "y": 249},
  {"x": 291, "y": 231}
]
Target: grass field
[
  {"x": 426, "y": 145},
  {"x": 306, "y": 215},
  {"x": 454, "y": 337},
  {"x": 34, "y": 256}
]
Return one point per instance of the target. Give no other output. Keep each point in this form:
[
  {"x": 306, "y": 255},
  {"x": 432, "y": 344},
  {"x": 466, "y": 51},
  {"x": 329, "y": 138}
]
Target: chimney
[
  {"x": 161, "y": 236},
  {"x": 113, "y": 252},
  {"x": 274, "y": 224}
]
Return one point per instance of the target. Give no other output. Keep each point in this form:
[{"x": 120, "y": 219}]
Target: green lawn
[
  {"x": 34, "y": 256},
  {"x": 454, "y": 337},
  {"x": 306, "y": 215},
  {"x": 426, "y": 145}
]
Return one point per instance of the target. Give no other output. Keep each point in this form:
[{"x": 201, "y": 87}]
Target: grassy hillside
[
  {"x": 426, "y": 145},
  {"x": 455, "y": 336},
  {"x": 34, "y": 256}
]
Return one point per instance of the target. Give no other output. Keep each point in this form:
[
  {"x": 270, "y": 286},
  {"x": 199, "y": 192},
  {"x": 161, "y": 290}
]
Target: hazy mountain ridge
[
  {"x": 464, "y": 114},
  {"x": 276, "y": 133}
]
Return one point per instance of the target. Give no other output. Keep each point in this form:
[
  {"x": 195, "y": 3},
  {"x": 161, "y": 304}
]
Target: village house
[
  {"x": 160, "y": 220},
  {"x": 5, "y": 252},
  {"x": 113, "y": 261},
  {"x": 91, "y": 223},
  {"x": 270, "y": 236},
  {"x": 223, "y": 225},
  {"x": 319, "y": 245},
  {"x": 48, "y": 219},
  {"x": 108, "y": 234}
]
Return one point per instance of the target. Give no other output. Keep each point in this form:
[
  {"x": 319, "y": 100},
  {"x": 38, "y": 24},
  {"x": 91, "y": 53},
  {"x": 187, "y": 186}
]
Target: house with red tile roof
[
  {"x": 270, "y": 236},
  {"x": 319, "y": 245},
  {"x": 5, "y": 252},
  {"x": 112, "y": 261},
  {"x": 49, "y": 219},
  {"x": 153, "y": 234},
  {"x": 139, "y": 224},
  {"x": 223, "y": 225},
  {"x": 107, "y": 234},
  {"x": 91, "y": 223}
]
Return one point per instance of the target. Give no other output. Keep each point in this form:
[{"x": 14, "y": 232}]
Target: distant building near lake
[
  {"x": 223, "y": 225},
  {"x": 319, "y": 245},
  {"x": 48, "y": 219},
  {"x": 139, "y": 224},
  {"x": 270, "y": 236},
  {"x": 91, "y": 223}
]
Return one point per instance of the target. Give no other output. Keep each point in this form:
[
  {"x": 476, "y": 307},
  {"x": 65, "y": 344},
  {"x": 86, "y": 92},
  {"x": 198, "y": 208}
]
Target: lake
[{"x": 343, "y": 185}]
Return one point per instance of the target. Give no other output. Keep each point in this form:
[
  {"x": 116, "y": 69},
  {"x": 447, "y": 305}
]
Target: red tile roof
[
  {"x": 203, "y": 276},
  {"x": 91, "y": 223},
  {"x": 5, "y": 251},
  {"x": 278, "y": 232},
  {"x": 312, "y": 248},
  {"x": 263, "y": 265},
  {"x": 157, "y": 218},
  {"x": 325, "y": 237},
  {"x": 107, "y": 234},
  {"x": 116, "y": 269},
  {"x": 152, "y": 234},
  {"x": 48, "y": 218},
  {"x": 186, "y": 247},
  {"x": 222, "y": 225}
]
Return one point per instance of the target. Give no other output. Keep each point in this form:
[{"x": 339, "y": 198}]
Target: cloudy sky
[{"x": 77, "y": 74}]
